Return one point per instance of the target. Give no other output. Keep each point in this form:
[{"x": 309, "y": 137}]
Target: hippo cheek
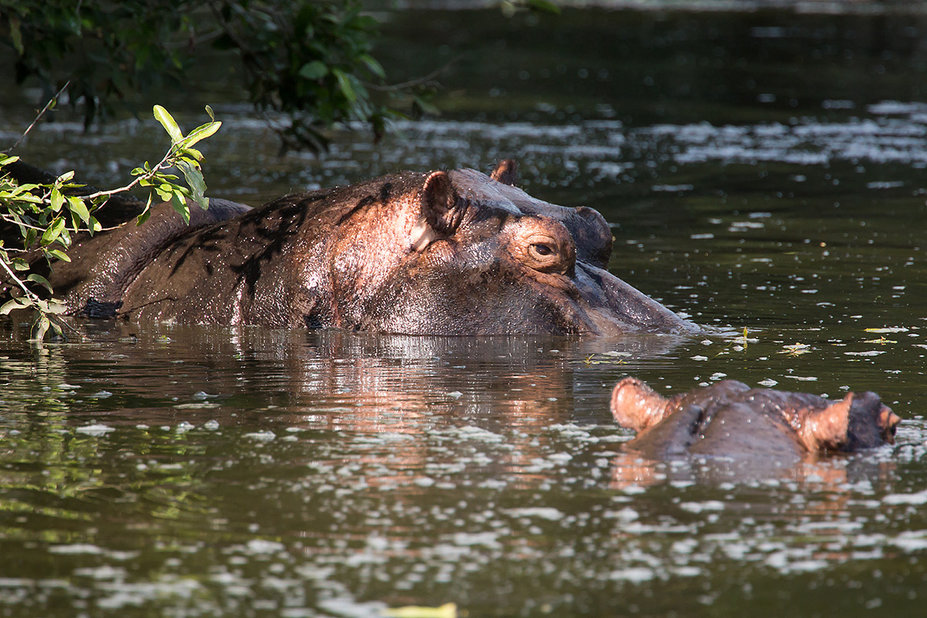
[{"x": 462, "y": 298}]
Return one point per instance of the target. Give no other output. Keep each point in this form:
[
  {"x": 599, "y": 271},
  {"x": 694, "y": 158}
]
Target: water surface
[{"x": 762, "y": 173}]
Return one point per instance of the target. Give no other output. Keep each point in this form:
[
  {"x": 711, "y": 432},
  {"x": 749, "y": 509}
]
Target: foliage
[
  {"x": 48, "y": 216},
  {"x": 309, "y": 59}
]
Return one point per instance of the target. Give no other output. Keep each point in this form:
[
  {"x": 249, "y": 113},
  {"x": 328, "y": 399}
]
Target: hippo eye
[
  {"x": 543, "y": 256},
  {"x": 541, "y": 250},
  {"x": 542, "y": 245}
]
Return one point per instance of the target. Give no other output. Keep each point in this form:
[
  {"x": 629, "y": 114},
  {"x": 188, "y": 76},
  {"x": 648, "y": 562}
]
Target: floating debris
[
  {"x": 96, "y": 430},
  {"x": 448, "y": 610},
  {"x": 796, "y": 349}
]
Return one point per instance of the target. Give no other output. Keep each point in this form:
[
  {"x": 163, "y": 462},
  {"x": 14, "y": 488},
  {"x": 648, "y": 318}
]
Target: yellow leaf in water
[
  {"x": 795, "y": 349},
  {"x": 448, "y": 610}
]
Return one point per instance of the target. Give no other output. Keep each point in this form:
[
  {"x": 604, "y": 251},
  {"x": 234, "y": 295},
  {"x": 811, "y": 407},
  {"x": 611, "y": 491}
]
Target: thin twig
[
  {"x": 418, "y": 81},
  {"x": 32, "y": 296},
  {"x": 47, "y": 107},
  {"x": 150, "y": 174}
]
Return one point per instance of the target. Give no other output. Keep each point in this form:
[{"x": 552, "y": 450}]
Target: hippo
[
  {"x": 764, "y": 426},
  {"x": 452, "y": 252}
]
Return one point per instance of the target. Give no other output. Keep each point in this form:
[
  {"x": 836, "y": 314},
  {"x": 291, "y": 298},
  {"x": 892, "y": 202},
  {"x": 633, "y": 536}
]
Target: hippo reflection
[
  {"x": 445, "y": 253},
  {"x": 765, "y": 426}
]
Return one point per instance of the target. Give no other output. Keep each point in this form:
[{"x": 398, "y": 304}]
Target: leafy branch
[{"x": 49, "y": 215}]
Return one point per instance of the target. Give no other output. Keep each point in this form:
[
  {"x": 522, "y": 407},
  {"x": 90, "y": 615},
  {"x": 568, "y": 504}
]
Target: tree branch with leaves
[{"x": 49, "y": 215}]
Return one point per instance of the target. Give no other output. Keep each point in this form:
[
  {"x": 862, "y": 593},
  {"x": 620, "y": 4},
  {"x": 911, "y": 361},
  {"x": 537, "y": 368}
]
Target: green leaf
[
  {"x": 425, "y": 106},
  {"x": 164, "y": 192},
  {"x": 200, "y": 133},
  {"x": 37, "y": 278},
  {"x": 344, "y": 84},
  {"x": 57, "y": 200},
  {"x": 145, "y": 213},
  {"x": 180, "y": 205},
  {"x": 192, "y": 154},
  {"x": 194, "y": 178},
  {"x": 16, "y": 35},
  {"x": 58, "y": 253},
  {"x": 13, "y": 304},
  {"x": 65, "y": 177},
  {"x": 373, "y": 65},
  {"x": 313, "y": 70},
  {"x": 167, "y": 121},
  {"x": 77, "y": 206},
  {"x": 19, "y": 264},
  {"x": 51, "y": 234},
  {"x": 54, "y": 306},
  {"x": 40, "y": 327}
]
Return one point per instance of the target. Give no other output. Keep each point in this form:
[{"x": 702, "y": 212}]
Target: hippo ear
[
  {"x": 886, "y": 422},
  {"x": 506, "y": 172},
  {"x": 826, "y": 429},
  {"x": 637, "y": 406},
  {"x": 441, "y": 211},
  {"x": 859, "y": 420}
]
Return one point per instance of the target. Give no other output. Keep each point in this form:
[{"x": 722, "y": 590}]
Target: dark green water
[{"x": 762, "y": 171}]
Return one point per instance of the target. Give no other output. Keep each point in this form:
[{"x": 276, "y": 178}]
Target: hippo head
[{"x": 460, "y": 253}]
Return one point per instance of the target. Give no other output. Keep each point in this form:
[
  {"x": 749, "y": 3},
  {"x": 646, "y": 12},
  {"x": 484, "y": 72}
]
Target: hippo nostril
[{"x": 594, "y": 235}]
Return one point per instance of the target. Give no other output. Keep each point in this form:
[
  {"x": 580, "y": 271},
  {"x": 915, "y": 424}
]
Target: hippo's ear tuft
[
  {"x": 442, "y": 208},
  {"x": 506, "y": 172}
]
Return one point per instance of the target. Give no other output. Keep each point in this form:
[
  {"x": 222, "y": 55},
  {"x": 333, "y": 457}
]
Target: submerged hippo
[
  {"x": 731, "y": 419},
  {"x": 449, "y": 253}
]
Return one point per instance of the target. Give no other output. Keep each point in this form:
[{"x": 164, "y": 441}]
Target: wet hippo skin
[
  {"x": 446, "y": 252},
  {"x": 731, "y": 419}
]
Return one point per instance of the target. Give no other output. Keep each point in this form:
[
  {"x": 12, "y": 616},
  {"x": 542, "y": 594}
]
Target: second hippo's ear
[
  {"x": 441, "y": 210},
  {"x": 859, "y": 420},
  {"x": 637, "y": 406},
  {"x": 826, "y": 429},
  {"x": 506, "y": 172}
]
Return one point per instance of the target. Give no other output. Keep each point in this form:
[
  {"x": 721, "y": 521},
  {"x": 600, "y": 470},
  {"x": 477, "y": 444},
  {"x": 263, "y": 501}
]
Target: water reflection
[{"x": 833, "y": 473}]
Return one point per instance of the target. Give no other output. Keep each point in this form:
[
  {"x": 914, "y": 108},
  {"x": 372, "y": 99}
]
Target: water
[{"x": 184, "y": 471}]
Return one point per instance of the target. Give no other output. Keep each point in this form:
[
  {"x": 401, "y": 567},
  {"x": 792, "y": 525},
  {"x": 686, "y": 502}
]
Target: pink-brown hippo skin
[
  {"x": 730, "y": 419},
  {"x": 444, "y": 253}
]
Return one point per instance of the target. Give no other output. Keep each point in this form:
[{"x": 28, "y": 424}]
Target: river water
[{"x": 763, "y": 173}]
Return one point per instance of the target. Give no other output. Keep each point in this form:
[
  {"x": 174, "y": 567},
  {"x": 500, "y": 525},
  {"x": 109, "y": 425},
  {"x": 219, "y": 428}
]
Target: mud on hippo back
[{"x": 454, "y": 253}]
